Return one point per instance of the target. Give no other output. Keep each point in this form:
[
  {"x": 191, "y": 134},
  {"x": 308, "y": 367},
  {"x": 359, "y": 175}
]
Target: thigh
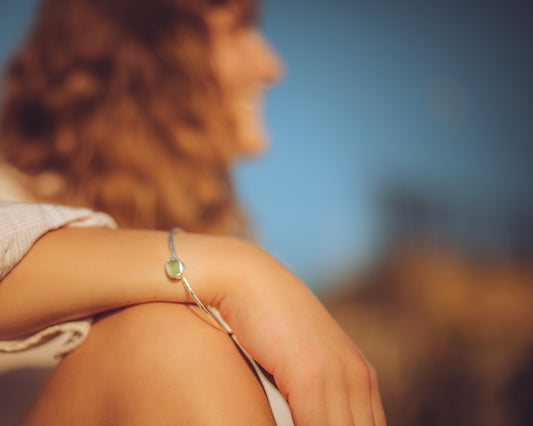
[{"x": 156, "y": 363}]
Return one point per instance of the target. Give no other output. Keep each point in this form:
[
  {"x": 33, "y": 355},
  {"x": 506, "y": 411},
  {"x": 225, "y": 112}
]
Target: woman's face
[{"x": 244, "y": 66}]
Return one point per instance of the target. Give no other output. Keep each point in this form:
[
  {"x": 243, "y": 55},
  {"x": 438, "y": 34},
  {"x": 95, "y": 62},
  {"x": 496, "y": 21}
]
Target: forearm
[
  {"x": 76, "y": 272},
  {"x": 71, "y": 273}
]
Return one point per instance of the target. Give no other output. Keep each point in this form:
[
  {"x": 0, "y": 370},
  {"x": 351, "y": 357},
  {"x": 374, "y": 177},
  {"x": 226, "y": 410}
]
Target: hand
[{"x": 320, "y": 371}]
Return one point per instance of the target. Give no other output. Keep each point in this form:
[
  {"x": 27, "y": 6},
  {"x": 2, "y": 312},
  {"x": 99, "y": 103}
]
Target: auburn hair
[{"x": 115, "y": 100}]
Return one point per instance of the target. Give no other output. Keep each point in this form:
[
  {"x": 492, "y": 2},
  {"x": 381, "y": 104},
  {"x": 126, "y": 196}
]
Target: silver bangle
[{"x": 175, "y": 269}]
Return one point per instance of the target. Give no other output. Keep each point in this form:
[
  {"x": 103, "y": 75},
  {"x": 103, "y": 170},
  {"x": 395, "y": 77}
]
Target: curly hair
[{"x": 117, "y": 99}]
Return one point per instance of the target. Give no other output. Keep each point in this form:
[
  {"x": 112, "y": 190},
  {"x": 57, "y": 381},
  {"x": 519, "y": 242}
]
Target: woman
[
  {"x": 139, "y": 109},
  {"x": 116, "y": 106}
]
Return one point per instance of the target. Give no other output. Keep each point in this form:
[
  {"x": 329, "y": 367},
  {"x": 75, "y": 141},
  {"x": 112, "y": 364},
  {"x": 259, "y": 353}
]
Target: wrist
[{"x": 209, "y": 262}]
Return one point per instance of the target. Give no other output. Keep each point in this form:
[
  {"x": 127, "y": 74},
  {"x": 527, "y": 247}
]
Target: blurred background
[{"x": 399, "y": 187}]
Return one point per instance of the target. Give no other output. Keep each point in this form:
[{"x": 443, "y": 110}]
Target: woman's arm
[
  {"x": 76, "y": 272},
  {"x": 72, "y": 272}
]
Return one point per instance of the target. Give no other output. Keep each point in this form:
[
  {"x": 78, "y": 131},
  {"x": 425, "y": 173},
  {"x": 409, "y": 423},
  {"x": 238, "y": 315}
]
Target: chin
[{"x": 251, "y": 136}]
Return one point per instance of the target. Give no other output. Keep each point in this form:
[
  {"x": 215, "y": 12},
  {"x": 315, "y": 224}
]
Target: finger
[
  {"x": 377, "y": 405},
  {"x": 378, "y": 412},
  {"x": 361, "y": 394},
  {"x": 337, "y": 399},
  {"x": 375, "y": 397},
  {"x": 309, "y": 407}
]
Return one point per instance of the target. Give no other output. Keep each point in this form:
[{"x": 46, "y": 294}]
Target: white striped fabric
[{"x": 21, "y": 224}]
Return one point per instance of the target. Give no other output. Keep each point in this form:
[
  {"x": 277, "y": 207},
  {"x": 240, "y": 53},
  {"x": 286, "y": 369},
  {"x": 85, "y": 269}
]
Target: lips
[{"x": 253, "y": 105}]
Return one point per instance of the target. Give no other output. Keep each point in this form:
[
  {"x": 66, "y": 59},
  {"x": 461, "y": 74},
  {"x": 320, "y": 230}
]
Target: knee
[
  {"x": 158, "y": 360},
  {"x": 160, "y": 342}
]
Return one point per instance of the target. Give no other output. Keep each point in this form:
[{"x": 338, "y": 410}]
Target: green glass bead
[{"x": 175, "y": 268}]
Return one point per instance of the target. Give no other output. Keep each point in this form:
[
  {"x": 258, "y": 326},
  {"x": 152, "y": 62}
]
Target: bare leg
[{"x": 152, "y": 364}]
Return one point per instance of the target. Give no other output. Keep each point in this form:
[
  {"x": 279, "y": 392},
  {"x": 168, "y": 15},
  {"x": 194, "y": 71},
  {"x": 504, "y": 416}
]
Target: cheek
[
  {"x": 237, "y": 79},
  {"x": 235, "y": 67},
  {"x": 225, "y": 64}
]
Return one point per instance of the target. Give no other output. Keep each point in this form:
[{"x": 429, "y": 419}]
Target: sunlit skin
[
  {"x": 244, "y": 65},
  {"x": 151, "y": 359}
]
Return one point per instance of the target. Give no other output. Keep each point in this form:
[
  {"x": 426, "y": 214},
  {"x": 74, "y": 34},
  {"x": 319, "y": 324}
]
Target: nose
[{"x": 271, "y": 64}]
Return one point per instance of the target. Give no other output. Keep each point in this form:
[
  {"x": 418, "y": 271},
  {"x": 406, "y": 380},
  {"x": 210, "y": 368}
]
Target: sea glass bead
[{"x": 175, "y": 268}]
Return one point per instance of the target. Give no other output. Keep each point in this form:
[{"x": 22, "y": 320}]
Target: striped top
[{"x": 21, "y": 225}]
